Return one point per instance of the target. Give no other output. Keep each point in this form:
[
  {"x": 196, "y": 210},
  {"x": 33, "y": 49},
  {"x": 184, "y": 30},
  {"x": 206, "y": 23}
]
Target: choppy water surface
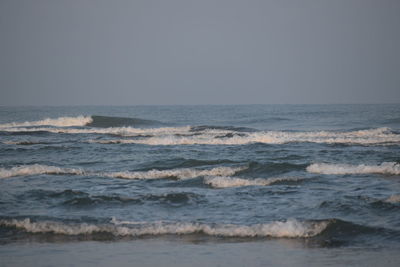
[{"x": 325, "y": 175}]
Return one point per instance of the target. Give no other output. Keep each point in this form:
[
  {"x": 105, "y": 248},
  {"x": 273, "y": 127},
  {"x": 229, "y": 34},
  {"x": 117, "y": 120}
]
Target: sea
[{"x": 207, "y": 185}]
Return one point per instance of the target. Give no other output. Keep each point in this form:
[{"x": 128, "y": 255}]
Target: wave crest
[
  {"x": 37, "y": 169},
  {"x": 225, "y": 182},
  {"x": 185, "y": 135},
  {"x": 59, "y": 122},
  {"x": 229, "y": 137},
  {"x": 287, "y": 229},
  {"x": 391, "y": 168}
]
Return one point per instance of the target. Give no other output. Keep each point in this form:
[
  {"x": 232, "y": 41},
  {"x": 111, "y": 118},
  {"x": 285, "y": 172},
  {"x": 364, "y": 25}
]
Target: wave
[
  {"x": 106, "y": 121},
  {"x": 90, "y": 121},
  {"x": 183, "y": 173},
  {"x": 192, "y": 135},
  {"x": 279, "y": 229},
  {"x": 83, "y": 199},
  {"x": 118, "y": 131},
  {"x": 224, "y": 181},
  {"x": 59, "y": 122},
  {"x": 176, "y": 173},
  {"x": 202, "y": 128},
  {"x": 389, "y": 168},
  {"x": 226, "y": 137},
  {"x": 37, "y": 169}
]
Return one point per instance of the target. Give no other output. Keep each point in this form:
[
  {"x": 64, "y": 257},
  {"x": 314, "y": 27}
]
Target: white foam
[
  {"x": 183, "y": 173},
  {"x": 36, "y": 169},
  {"x": 391, "y": 168},
  {"x": 184, "y": 136},
  {"x": 288, "y": 229},
  {"x": 225, "y": 181},
  {"x": 176, "y": 173},
  {"x": 59, "y": 122},
  {"x": 365, "y": 137}
]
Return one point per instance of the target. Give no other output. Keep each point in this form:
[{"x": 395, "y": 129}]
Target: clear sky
[{"x": 132, "y": 52}]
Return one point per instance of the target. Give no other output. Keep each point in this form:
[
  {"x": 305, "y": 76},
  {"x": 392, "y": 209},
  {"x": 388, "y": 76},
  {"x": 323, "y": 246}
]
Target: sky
[{"x": 151, "y": 52}]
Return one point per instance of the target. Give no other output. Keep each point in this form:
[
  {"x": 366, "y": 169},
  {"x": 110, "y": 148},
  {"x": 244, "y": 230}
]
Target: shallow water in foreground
[
  {"x": 164, "y": 252},
  {"x": 283, "y": 184}
]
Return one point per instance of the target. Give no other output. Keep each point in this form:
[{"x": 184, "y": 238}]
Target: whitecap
[
  {"x": 217, "y": 137},
  {"x": 59, "y": 122},
  {"x": 225, "y": 181},
  {"x": 391, "y": 168},
  {"x": 183, "y": 173},
  {"x": 287, "y": 229}
]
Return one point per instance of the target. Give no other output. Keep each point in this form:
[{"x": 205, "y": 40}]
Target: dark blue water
[{"x": 328, "y": 176}]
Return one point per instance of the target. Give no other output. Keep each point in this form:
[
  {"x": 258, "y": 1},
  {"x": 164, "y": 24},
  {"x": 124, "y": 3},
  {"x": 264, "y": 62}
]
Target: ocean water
[{"x": 264, "y": 184}]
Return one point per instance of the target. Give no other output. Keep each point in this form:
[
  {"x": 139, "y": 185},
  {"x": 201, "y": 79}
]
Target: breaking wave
[
  {"x": 36, "y": 169},
  {"x": 390, "y": 168},
  {"x": 283, "y": 229},
  {"x": 193, "y": 135},
  {"x": 227, "y": 137},
  {"x": 59, "y": 122},
  {"x": 119, "y": 131},
  {"x": 183, "y": 173},
  {"x": 224, "y": 181},
  {"x": 176, "y": 173}
]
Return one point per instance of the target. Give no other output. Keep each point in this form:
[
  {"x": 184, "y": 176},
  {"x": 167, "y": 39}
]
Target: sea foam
[
  {"x": 185, "y": 136},
  {"x": 59, "y": 122},
  {"x": 37, "y": 169},
  {"x": 224, "y": 181},
  {"x": 183, "y": 173},
  {"x": 226, "y": 137},
  {"x": 176, "y": 173},
  {"x": 391, "y": 168},
  {"x": 288, "y": 229}
]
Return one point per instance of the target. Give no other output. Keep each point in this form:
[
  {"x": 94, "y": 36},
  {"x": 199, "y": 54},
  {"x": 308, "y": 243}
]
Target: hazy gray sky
[{"x": 60, "y": 52}]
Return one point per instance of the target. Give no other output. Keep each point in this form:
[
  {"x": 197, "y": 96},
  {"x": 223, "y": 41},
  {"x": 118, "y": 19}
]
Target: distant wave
[
  {"x": 59, "y": 122},
  {"x": 91, "y": 121},
  {"x": 224, "y": 181},
  {"x": 391, "y": 168},
  {"x": 120, "y": 131},
  {"x": 283, "y": 229},
  {"x": 193, "y": 135},
  {"x": 107, "y": 121},
  {"x": 226, "y": 137},
  {"x": 183, "y": 173}
]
